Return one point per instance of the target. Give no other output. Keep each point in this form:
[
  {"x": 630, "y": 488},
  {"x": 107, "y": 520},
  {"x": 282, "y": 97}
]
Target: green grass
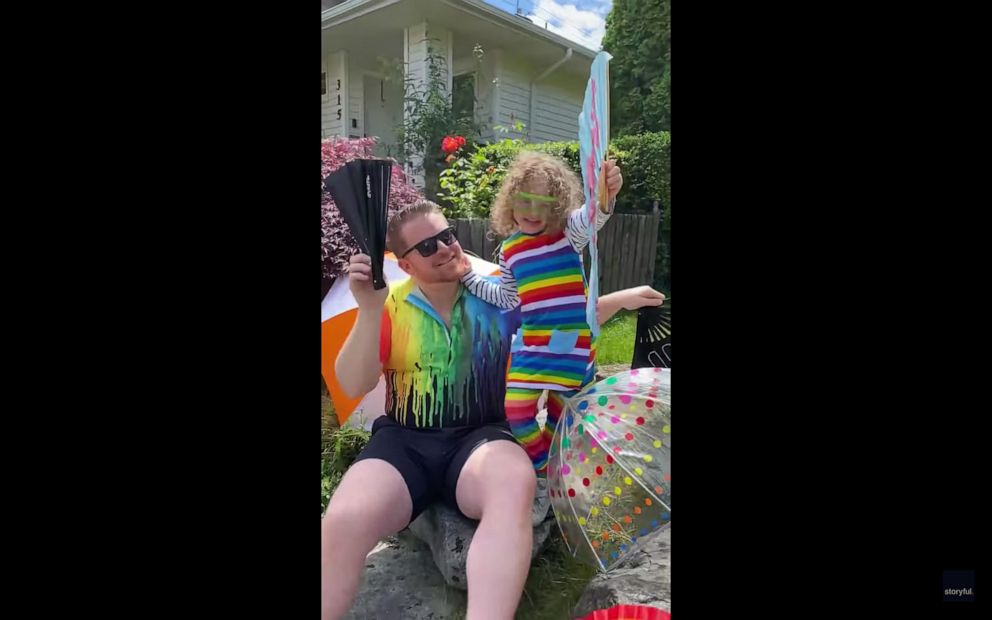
[
  {"x": 616, "y": 339},
  {"x": 554, "y": 584}
]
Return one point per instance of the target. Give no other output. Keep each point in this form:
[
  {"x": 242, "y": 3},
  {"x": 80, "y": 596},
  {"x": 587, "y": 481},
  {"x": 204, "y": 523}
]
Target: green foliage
[
  {"x": 470, "y": 183},
  {"x": 468, "y": 186},
  {"x": 339, "y": 447},
  {"x": 647, "y": 172},
  {"x": 429, "y": 116},
  {"x": 639, "y": 35}
]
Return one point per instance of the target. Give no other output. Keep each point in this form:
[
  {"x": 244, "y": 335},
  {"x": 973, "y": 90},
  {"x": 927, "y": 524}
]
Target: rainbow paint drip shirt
[{"x": 440, "y": 378}]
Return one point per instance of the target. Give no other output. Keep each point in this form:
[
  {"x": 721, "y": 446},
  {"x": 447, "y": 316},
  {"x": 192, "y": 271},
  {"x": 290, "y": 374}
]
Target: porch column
[{"x": 419, "y": 40}]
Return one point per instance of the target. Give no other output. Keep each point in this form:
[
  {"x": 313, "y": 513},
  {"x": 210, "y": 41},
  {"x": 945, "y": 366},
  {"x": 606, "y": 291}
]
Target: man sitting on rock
[{"x": 445, "y": 437}]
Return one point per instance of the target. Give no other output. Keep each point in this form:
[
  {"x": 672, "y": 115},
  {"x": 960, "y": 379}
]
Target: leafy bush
[
  {"x": 469, "y": 185},
  {"x": 647, "y": 172}
]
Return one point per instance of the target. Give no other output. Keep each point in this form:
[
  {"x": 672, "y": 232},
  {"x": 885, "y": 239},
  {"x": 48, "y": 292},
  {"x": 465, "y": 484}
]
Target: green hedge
[
  {"x": 647, "y": 172},
  {"x": 469, "y": 185}
]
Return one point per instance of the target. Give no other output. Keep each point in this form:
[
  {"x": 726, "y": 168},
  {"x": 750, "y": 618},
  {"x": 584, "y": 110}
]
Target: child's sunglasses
[
  {"x": 428, "y": 247},
  {"x": 532, "y": 204}
]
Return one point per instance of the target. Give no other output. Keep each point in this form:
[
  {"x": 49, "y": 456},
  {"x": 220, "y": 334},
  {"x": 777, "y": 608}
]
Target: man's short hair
[{"x": 394, "y": 241}]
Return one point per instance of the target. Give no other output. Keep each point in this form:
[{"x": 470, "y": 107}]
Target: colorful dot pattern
[{"x": 610, "y": 473}]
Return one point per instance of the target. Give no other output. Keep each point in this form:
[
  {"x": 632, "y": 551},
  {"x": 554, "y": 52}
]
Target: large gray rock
[
  {"x": 396, "y": 585},
  {"x": 643, "y": 579},
  {"x": 449, "y": 534}
]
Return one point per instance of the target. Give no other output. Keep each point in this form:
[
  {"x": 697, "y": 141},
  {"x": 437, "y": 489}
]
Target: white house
[{"x": 527, "y": 73}]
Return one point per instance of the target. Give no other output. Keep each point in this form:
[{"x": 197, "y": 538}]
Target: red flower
[{"x": 450, "y": 144}]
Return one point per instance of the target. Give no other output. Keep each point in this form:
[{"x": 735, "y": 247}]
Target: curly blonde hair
[{"x": 530, "y": 166}]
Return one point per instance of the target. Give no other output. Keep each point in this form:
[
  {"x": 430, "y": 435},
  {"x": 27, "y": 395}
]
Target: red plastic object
[{"x": 628, "y": 612}]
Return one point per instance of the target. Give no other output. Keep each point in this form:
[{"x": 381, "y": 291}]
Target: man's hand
[
  {"x": 358, "y": 366},
  {"x": 360, "y": 281}
]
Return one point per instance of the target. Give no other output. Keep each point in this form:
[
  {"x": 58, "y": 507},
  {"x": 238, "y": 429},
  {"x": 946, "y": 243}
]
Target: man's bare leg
[
  {"x": 496, "y": 486},
  {"x": 371, "y": 502}
]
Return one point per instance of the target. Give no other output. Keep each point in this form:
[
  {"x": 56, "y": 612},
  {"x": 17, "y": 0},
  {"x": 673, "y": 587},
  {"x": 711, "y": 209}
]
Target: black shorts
[{"x": 430, "y": 460}]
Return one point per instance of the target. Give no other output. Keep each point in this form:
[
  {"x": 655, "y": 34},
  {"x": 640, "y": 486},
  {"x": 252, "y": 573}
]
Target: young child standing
[{"x": 538, "y": 209}]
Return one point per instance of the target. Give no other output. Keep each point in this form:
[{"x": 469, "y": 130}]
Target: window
[{"x": 463, "y": 95}]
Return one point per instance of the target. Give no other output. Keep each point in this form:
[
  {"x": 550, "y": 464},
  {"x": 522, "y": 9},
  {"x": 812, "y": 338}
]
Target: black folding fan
[
  {"x": 653, "y": 338},
  {"x": 360, "y": 190}
]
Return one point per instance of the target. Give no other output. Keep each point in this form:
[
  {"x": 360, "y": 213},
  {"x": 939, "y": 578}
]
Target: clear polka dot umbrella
[{"x": 609, "y": 473}]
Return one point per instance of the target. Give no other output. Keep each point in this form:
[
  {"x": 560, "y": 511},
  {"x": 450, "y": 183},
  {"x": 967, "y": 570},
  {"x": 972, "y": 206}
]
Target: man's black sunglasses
[{"x": 428, "y": 247}]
